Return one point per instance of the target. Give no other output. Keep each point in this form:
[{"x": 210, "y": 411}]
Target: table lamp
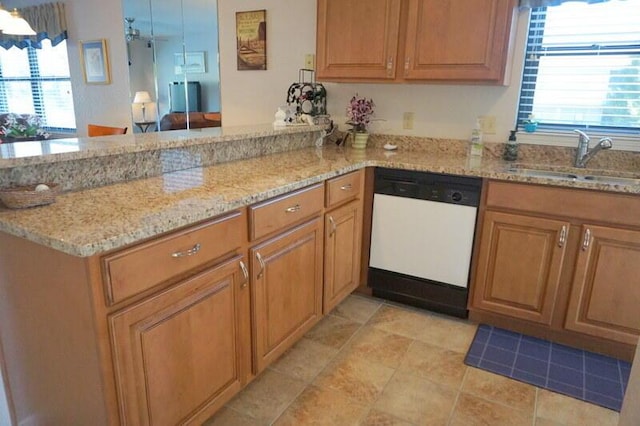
[{"x": 142, "y": 98}]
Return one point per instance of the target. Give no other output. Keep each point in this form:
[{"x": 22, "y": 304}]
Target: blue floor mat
[{"x": 590, "y": 377}]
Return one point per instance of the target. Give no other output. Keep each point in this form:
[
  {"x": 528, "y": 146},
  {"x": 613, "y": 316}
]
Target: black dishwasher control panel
[{"x": 454, "y": 189}]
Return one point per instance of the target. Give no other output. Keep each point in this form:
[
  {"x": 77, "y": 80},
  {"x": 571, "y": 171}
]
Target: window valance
[
  {"x": 49, "y": 22},
  {"x": 541, "y": 3}
]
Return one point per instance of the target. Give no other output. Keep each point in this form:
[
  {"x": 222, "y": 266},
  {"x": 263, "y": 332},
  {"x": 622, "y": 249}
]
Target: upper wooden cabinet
[
  {"x": 409, "y": 40},
  {"x": 357, "y": 39}
]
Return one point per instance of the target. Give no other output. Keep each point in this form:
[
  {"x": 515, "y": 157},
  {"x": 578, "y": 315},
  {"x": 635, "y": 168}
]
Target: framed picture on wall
[
  {"x": 190, "y": 62},
  {"x": 94, "y": 59},
  {"x": 251, "y": 40}
]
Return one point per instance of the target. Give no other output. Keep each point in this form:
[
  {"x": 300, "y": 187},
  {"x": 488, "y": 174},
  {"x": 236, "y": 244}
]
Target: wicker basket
[{"x": 26, "y": 196}]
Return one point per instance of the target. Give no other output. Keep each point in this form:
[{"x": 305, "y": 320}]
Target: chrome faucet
[{"x": 583, "y": 155}]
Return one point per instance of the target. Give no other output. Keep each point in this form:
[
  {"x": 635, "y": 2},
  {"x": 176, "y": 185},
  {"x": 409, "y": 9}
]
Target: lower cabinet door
[
  {"x": 342, "y": 245},
  {"x": 287, "y": 290},
  {"x": 605, "y": 295},
  {"x": 519, "y": 265},
  {"x": 176, "y": 353}
]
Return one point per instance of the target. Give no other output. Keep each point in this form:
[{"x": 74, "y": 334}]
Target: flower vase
[{"x": 360, "y": 140}]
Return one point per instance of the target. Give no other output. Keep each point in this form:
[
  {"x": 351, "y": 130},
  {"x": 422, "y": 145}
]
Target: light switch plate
[
  {"x": 488, "y": 123},
  {"x": 310, "y": 61},
  {"x": 407, "y": 121}
]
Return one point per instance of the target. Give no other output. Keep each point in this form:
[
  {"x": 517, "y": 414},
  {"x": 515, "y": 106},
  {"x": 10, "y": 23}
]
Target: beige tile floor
[{"x": 371, "y": 362}]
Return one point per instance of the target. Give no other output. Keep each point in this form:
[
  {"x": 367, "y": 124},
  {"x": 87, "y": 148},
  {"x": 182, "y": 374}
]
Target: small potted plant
[
  {"x": 359, "y": 113},
  {"x": 530, "y": 124}
]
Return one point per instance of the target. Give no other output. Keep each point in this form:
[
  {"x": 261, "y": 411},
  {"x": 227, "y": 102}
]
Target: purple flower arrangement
[{"x": 359, "y": 113}]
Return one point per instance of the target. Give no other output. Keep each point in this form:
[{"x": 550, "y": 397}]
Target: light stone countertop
[
  {"x": 60, "y": 150},
  {"x": 93, "y": 221}
]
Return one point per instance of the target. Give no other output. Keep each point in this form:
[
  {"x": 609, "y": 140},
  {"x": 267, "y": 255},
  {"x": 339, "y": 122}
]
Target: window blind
[
  {"x": 37, "y": 81},
  {"x": 582, "y": 66}
]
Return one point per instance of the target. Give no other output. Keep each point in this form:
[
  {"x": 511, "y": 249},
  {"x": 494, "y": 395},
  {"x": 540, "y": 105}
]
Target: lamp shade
[
  {"x": 142, "y": 98},
  {"x": 5, "y": 16},
  {"x": 17, "y": 25}
]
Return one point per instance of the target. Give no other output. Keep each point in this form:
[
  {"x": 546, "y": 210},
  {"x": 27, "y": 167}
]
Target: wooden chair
[{"x": 96, "y": 130}]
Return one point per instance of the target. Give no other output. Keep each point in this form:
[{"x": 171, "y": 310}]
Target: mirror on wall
[{"x": 174, "y": 73}]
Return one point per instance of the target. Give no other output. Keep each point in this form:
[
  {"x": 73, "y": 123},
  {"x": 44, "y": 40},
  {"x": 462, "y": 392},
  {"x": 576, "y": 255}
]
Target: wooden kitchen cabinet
[
  {"x": 342, "y": 237},
  {"x": 357, "y": 39},
  {"x": 519, "y": 265},
  {"x": 177, "y": 353},
  {"x": 286, "y": 270},
  {"x": 414, "y": 40},
  {"x": 287, "y": 289},
  {"x": 605, "y": 296},
  {"x": 559, "y": 263}
]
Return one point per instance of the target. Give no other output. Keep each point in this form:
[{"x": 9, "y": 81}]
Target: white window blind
[
  {"x": 37, "y": 81},
  {"x": 582, "y": 66}
]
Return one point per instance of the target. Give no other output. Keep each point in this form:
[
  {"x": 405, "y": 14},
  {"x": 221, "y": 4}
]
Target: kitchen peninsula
[{"x": 90, "y": 294}]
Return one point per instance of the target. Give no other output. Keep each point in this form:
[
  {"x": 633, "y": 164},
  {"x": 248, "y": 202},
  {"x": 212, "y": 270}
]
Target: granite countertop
[
  {"x": 58, "y": 150},
  {"x": 92, "y": 221}
]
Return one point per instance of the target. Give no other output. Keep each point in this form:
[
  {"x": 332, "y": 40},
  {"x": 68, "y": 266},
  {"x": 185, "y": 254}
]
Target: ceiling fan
[{"x": 131, "y": 33}]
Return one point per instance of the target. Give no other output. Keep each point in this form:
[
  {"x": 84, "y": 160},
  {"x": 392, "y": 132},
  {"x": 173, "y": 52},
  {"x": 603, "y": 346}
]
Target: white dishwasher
[{"x": 422, "y": 238}]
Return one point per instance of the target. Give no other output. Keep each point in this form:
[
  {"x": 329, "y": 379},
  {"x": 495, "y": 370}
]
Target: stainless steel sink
[
  {"x": 560, "y": 175},
  {"x": 546, "y": 174},
  {"x": 612, "y": 180}
]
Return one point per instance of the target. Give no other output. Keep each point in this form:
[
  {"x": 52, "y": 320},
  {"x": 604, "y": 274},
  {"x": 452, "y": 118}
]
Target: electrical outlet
[
  {"x": 407, "y": 121},
  {"x": 310, "y": 61},
  {"x": 488, "y": 123}
]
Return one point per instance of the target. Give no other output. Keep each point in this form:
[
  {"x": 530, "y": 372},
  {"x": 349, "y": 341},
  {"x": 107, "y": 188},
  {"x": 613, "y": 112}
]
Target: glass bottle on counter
[{"x": 511, "y": 147}]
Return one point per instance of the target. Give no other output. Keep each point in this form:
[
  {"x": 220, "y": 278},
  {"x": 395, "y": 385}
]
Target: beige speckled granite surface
[
  {"x": 90, "y": 162},
  {"x": 91, "y": 221},
  {"x": 59, "y": 150}
]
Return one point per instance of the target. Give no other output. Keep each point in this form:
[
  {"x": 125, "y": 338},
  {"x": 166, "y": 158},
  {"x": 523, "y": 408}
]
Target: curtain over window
[
  {"x": 542, "y": 3},
  {"x": 49, "y": 22}
]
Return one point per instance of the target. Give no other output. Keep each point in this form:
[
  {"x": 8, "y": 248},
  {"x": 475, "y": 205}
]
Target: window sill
[{"x": 622, "y": 142}]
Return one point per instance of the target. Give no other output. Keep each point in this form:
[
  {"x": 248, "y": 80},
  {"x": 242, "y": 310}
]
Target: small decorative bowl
[
  {"x": 20, "y": 197},
  {"x": 530, "y": 127}
]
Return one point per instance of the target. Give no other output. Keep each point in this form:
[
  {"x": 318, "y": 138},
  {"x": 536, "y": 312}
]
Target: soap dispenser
[{"x": 511, "y": 147}]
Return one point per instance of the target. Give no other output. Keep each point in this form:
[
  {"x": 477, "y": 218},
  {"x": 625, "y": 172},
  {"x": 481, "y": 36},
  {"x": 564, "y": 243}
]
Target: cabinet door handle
[
  {"x": 407, "y": 62},
  {"x": 346, "y": 187},
  {"x": 261, "y": 261},
  {"x": 245, "y": 272},
  {"x": 563, "y": 236},
  {"x": 193, "y": 250},
  {"x": 293, "y": 209},
  {"x": 587, "y": 239},
  {"x": 390, "y": 66},
  {"x": 333, "y": 226}
]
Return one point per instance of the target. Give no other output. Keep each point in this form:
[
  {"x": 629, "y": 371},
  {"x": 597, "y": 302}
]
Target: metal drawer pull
[
  {"x": 293, "y": 209},
  {"x": 587, "y": 239},
  {"x": 261, "y": 264},
  {"x": 333, "y": 226},
  {"x": 245, "y": 272},
  {"x": 563, "y": 236},
  {"x": 193, "y": 250},
  {"x": 346, "y": 187}
]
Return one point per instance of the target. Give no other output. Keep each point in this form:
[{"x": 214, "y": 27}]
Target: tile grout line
[{"x": 333, "y": 358}]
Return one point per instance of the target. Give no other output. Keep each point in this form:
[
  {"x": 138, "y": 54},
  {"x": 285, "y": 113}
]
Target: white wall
[
  {"x": 439, "y": 110},
  {"x": 249, "y": 97}
]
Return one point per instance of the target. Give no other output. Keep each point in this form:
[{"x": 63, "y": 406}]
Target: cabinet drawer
[
  {"x": 280, "y": 212},
  {"x": 344, "y": 188},
  {"x": 140, "y": 268}
]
